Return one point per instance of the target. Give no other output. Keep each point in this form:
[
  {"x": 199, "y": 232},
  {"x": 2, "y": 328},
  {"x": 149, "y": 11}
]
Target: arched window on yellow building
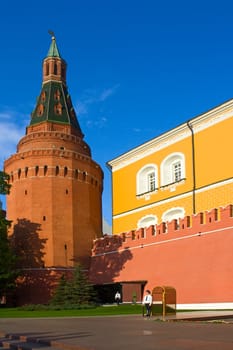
[
  {"x": 172, "y": 169},
  {"x": 147, "y": 179},
  {"x": 173, "y": 213},
  {"x": 147, "y": 221}
]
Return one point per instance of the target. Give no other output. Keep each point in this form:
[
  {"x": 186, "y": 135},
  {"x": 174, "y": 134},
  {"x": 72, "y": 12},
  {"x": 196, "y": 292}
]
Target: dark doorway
[{"x": 106, "y": 292}]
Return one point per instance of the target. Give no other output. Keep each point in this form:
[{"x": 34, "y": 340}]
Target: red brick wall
[
  {"x": 195, "y": 258},
  {"x": 36, "y": 286}
]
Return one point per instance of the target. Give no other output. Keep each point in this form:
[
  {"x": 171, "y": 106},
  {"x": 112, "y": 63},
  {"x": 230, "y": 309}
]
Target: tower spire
[
  {"x": 53, "y": 50},
  {"x": 51, "y": 33},
  {"x": 54, "y": 105}
]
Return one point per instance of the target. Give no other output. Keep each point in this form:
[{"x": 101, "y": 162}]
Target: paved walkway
[{"x": 126, "y": 332}]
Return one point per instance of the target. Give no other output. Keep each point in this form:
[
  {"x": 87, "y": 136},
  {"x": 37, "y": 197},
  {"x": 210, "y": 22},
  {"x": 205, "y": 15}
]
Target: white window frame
[
  {"x": 147, "y": 221},
  {"x": 176, "y": 171},
  {"x": 168, "y": 175},
  {"x": 173, "y": 213},
  {"x": 147, "y": 180}
]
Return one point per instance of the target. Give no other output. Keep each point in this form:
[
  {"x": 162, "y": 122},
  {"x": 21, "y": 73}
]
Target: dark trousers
[{"x": 148, "y": 310}]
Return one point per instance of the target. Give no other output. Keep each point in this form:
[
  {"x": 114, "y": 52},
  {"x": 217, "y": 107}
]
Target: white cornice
[{"x": 201, "y": 122}]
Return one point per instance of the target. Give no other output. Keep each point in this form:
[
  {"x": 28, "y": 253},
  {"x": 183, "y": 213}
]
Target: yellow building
[{"x": 181, "y": 172}]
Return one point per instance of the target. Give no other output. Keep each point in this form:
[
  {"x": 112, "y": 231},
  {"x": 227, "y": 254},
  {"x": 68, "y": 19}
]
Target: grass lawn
[{"x": 123, "y": 309}]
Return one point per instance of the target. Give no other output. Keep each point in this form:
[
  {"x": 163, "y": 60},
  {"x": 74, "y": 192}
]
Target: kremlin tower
[{"x": 56, "y": 192}]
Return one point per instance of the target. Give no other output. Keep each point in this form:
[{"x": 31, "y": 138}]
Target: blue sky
[{"x": 136, "y": 68}]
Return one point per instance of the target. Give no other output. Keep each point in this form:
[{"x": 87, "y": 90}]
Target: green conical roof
[
  {"x": 54, "y": 104},
  {"x": 53, "y": 50}
]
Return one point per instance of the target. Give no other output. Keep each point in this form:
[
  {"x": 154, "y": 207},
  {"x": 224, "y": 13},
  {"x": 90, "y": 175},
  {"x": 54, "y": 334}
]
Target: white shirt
[
  {"x": 147, "y": 299},
  {"x": 117, "y": 295}
]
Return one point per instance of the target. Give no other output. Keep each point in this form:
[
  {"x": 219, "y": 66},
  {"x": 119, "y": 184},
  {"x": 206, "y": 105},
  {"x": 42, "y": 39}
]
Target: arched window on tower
[
  {"x": 36, "y": 170},
  {"x": 57, "y": 170},
  {"x": 76, "y": 174},
  {"x": 58, "y": 109},
  {"x": 43, "y": 96},
  {"x": 147, "y": 179},
  {"x": 45, "y": 170},
  {"x": 63, "y": 71},
  {"x": 55, "y": 68},
  {"x": 47, "y": 68},
  {"x": 26, "y": 171},
  {"x": 19, "y": 173},
  {"x": 57, "y": 95},
  {"x": 65, "y": 171},
  {"x": 40, "y": 110}
]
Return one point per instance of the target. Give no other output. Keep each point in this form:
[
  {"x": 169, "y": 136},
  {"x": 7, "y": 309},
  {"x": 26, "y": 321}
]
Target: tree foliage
[
  {"x": 61, "y": 294},
  {"x": 8, "y": 272},
  {"x": 4, "y": 185},
  {"x": 75, "y": 291}
]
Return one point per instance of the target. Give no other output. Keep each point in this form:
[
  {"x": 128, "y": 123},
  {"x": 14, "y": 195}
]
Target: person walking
[
  {"x": 118, "y": 297},
  {"x": 147, "y": 302}
]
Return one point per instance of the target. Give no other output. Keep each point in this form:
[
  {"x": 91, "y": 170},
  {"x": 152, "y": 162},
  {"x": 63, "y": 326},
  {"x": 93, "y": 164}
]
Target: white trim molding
[{"x": 206, "y": 306}]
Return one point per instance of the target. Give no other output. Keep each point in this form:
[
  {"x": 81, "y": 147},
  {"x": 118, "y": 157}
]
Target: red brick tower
[{"x": 56, "y": 192}]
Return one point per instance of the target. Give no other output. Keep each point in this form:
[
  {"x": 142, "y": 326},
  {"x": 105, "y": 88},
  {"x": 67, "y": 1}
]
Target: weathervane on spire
[{"x": 52, "y": 34}]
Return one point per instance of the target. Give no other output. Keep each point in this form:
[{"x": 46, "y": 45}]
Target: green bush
[
  {"x": 77, "y": 291},
  {"x": 41, "y": 307}
]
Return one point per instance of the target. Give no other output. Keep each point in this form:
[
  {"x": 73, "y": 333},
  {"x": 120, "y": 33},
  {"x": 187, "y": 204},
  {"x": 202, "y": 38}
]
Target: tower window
[
  {"x": 57, "y": 95},
  {"x": 76, "y": 174},
  {"x": 63, "y": 72},
  {"x": 43, "y": 96},
  {"x": 58, "y": 109},
  {"x": 45, "y": 170},
  {"x": 40, "y": 110},
  {"x": 55, "y": 68},
  {"x": 57, "y": 170},
  {"x": 47, "y": 69},
  {"x": 36, "y": 170},
  {"x": 65, "y": 171},
  {"x": 26, "y": 171},
  {"x": 19, "y": 173}
]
